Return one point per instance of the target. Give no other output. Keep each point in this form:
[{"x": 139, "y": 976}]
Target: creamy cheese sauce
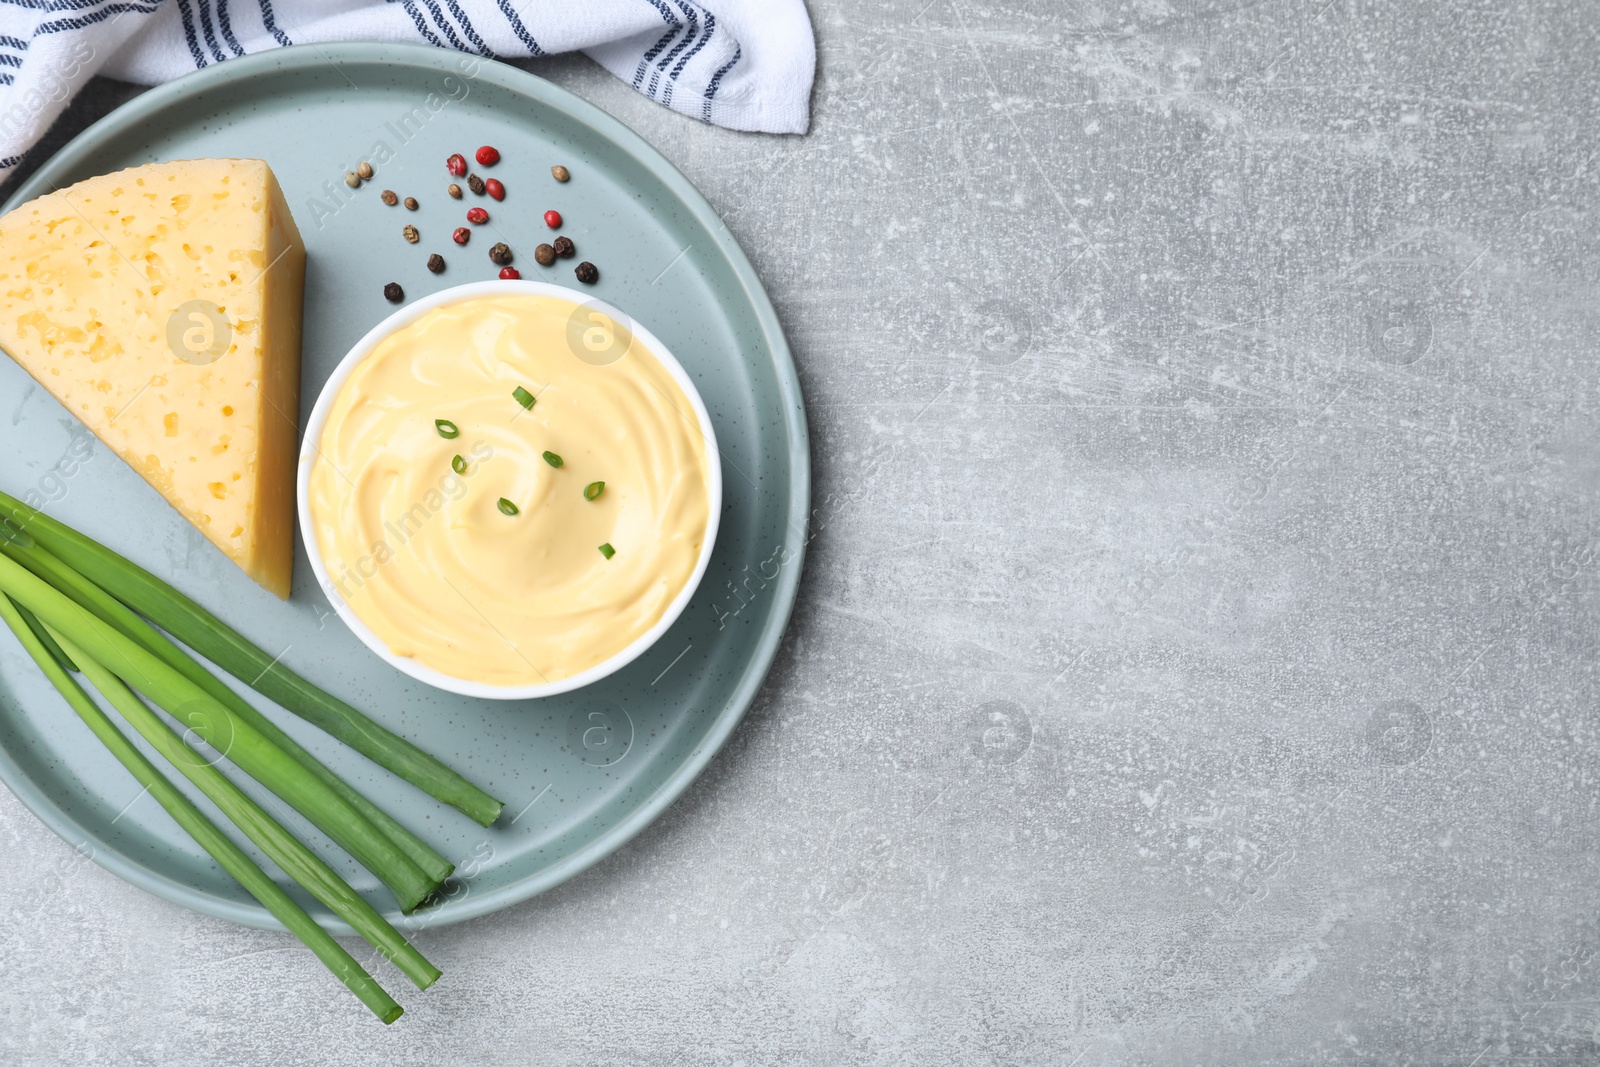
[{"x": 426, "y": 557}]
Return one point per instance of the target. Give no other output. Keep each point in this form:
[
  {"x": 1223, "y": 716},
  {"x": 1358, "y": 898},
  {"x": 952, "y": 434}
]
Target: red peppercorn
[
  {"x": 477, "y": 216},
  {"x": 461, "y": 236},
  {"x": 488, "y": 155},
  {"x": 456, "y": 164},
  {"x": 510, "y": 273},
  {"x": 495, "y": 189},
  {"x": 552, "y": 219}
]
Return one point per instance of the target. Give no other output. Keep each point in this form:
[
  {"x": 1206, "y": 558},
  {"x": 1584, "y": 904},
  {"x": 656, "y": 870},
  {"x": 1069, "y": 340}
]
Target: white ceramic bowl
[{"x": 319, "y": 417}]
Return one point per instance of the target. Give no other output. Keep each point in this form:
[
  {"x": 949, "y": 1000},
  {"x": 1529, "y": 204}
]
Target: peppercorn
[
  {"x": 488, "y": 155},
  {"x": 410, "y": 234},
  {"x": 364, "y": 170},
  {"x": 352, "y": 179},
  {"x": 495, "y": 188},
  {"x": 411, "y": 203},
  {"x": 475, "y": 183},
  {"x": 552, "y": 219},
  {"x": 587, "y": 273},
  {"x": 393, "y": 293},
  {"x": 457, "y": 165},
  {"x": 510, "y": 274},
  {"x": 454, "y": 190},
  {"x": 388, "y": 197},
  {"x": 477, "y": 216},
  {"x": 560, "y": 173},
  {"x": 544, "y": 255},
  {"x": 461, "y": 236},
  {"x": 500, "y": 254},
  {"x": 565, "y": 248},
  {"x": 436, "y": 263}
]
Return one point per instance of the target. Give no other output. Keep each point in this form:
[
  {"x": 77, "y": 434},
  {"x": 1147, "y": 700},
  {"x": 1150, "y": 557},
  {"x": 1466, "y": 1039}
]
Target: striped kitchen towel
[{"x": 745, "y": 64}]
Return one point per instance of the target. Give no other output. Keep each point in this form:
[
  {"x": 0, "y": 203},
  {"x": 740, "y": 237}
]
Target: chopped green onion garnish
[
  {"x": 523, "y": 397},
  {"x": 553, "y": 459},
  {"x": 446, "y": 428},
  {"x": 458, "y": 465},
  {"x": 593, "y": 490},
  {"x": 508, "y": 508},
  {"x": 607, "y": 551}
]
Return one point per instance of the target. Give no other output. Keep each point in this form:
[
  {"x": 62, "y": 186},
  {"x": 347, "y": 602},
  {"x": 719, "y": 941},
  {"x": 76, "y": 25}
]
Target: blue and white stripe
[{"x": 689, "y": 55}]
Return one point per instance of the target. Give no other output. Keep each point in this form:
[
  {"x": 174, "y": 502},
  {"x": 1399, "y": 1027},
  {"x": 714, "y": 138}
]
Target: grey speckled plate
[{"x": 580, "y": 773}]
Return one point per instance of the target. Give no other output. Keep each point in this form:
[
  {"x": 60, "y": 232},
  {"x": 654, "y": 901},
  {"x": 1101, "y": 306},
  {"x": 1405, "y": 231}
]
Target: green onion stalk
[
  {"x": 52, "y": 661},
  {"x": 308, "y": 869},
  {"x": 42, "y": 562},
  {"x": 242, "y": 743},
  {"x": 214, "y": 639}
]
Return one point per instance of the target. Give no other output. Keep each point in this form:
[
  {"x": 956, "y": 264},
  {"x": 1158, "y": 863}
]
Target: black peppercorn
[
  {"x": 500, "y": 254},
  {"x": 544, "y": 255},
  {"x": 565, "y": 248},
  {"x": 475, "y": 183},
  {"x": 393, "y": 293},
  {"x": 436, "y": 263},
  {"x": 587, "y": 273}
]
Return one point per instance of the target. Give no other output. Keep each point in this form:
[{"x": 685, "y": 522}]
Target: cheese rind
[{"x": 161, "y": 305}]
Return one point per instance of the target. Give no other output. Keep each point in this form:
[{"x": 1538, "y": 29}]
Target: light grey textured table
[{"x": 1196, "y": 662}]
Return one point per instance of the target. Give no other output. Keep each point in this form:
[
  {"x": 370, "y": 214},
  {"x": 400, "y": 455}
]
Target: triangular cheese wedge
[{"x": 161, "y": 305}]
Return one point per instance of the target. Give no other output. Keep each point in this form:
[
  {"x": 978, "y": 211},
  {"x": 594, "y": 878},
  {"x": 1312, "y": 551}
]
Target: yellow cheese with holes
[{"x": 161, "y": 305}]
